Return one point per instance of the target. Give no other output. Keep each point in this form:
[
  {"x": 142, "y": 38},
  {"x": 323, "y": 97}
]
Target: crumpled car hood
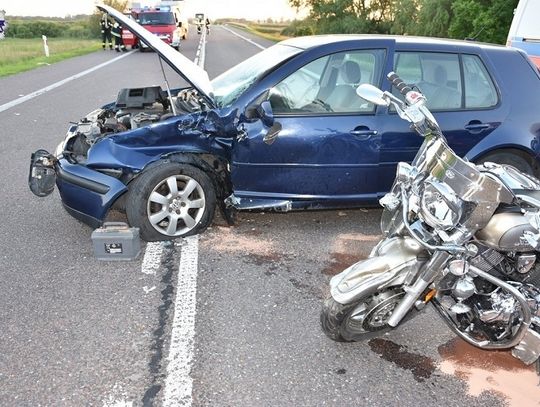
[
  {"x": 192, "y": 73},
  {"x": 200, "y": 132}
]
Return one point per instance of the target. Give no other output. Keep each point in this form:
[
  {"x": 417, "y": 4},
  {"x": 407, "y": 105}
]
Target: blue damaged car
[{"x": 285, "y": 130}]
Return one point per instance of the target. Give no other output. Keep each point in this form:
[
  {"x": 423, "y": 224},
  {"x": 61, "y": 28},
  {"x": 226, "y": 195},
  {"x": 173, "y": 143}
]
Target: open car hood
[{"x": 192, "y": 73}]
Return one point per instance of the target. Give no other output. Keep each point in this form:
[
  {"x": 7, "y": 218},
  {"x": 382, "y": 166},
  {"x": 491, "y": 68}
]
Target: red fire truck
[{"x": 127, "y": 37}]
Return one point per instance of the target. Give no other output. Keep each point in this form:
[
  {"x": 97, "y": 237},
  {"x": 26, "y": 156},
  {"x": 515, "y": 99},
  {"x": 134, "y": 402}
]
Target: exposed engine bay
[{"x": 134, "y": 108}]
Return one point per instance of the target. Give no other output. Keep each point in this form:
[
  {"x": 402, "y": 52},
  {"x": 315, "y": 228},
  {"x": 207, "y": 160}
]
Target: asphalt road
[{"x": 78, "y": 331}]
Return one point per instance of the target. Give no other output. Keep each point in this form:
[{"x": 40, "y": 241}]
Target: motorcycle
[{"x": 460, "y": 236}]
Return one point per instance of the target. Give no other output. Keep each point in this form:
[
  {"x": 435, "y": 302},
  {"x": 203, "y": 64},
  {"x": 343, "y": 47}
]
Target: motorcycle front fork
[{"x": 429, "y": 272}]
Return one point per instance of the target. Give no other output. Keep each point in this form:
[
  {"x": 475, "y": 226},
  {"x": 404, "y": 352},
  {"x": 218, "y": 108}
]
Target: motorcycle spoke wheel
[
  {"x": 373, "y": 314},
  {"x": 364, "y": 319}
]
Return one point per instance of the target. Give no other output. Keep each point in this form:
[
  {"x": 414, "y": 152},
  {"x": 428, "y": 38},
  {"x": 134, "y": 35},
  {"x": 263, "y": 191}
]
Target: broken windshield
[{"x": 231, "y": 84}]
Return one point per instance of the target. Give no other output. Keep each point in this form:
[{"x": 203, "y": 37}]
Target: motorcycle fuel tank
[{"x": 505, "y": 231}]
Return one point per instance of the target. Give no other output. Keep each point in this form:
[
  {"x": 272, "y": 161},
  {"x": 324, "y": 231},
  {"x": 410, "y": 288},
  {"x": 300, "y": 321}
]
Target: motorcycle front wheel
[{"x": 363, "y": 319}]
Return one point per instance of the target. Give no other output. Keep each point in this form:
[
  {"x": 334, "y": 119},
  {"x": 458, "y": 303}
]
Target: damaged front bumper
[{"x": 86, "y": 194}]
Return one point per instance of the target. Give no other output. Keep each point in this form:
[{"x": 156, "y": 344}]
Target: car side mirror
[
  {"x": 372, "y": 94},
  {"x": 263, "y": 112},
  {"x": 179, "y": 24},
  {"x": 273, "y": 133}
]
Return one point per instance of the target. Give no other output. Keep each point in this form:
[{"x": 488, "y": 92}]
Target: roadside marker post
[{"x": 45, "y": 45}]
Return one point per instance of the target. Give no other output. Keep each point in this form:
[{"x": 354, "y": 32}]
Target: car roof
[{"x": 318, "y": 40}]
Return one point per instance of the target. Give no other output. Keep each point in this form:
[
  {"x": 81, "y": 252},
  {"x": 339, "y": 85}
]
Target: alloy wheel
[{"x": 176, "y": 205}]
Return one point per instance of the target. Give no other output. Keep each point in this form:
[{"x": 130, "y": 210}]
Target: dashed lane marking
[{"x": 55, "y": 85}]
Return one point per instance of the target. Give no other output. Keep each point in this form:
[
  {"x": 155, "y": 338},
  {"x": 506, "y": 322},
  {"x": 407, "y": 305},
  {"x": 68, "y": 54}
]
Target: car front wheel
[{"x": 170, "y": 200}]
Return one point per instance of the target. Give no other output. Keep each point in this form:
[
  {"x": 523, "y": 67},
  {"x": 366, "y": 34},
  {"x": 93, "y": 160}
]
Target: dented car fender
[{"x": 199, "y": 133}]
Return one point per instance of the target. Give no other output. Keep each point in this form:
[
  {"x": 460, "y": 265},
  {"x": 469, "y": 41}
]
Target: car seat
[
  {"x": 344, "y": 95},
  {"x": 435, "y": 87}
]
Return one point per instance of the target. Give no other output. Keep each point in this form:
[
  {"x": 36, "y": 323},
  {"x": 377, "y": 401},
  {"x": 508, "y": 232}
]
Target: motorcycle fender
[{"x": 388, "y": 265}]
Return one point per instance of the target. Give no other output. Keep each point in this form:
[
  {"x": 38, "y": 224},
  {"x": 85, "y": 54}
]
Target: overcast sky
[{"x": 250, "y": 9}]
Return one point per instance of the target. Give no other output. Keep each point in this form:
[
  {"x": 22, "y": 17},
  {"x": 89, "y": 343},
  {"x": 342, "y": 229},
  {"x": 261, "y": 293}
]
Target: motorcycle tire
[{"x": 363, "y": 319}]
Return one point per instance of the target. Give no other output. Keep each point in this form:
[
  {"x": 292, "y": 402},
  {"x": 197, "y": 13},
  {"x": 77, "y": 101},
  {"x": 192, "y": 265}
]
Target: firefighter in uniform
[
  {"x": 106, "y": 26},
  {"x": 117, "y": 34}
]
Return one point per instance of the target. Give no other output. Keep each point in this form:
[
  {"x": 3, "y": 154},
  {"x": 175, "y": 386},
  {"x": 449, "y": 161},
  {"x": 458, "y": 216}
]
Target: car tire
[
  {"x": 170, "y": 200},
  {"x": 515, "y": 160}
]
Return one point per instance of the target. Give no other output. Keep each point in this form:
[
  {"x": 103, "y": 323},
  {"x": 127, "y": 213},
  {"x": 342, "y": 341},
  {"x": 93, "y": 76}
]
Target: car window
[
  {"x": 328, "y": 84},
  {"x": 437, "y": 75},
  {"x": 480, "y": 91}
]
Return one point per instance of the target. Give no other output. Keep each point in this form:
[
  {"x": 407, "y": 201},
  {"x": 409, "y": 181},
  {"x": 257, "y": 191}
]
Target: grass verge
[
  {"x": 271, "y": 32},
  {"x": 19, "y": 55}
]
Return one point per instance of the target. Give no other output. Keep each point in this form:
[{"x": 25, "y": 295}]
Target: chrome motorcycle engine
[
  {"x": 485, "y": 311},
  {"x": 520, "y": 267}
]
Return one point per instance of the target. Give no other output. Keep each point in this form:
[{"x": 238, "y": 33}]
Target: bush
[
  {"x": 299, "y": 28},
  {"x": 52, "y": 29}
]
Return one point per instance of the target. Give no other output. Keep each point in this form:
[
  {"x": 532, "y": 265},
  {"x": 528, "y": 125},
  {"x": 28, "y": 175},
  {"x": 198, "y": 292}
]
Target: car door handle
[
  {"x": 477, "y": 127},
  {"x": 364, "y": 134}
]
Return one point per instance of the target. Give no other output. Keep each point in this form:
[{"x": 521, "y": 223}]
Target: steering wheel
[{"x": 323, "y": 104}]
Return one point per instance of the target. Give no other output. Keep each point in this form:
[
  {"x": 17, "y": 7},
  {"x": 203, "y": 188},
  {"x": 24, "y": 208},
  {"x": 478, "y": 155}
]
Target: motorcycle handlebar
[{"x": 399, "y": 84}]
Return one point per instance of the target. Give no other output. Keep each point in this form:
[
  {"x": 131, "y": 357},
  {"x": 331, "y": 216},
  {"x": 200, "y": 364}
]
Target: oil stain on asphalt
[{"x": 420, "y": 366}]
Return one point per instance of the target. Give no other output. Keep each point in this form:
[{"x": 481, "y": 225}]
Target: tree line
[
  {"x": 83, "y": 26},
  {"x": 482, "y": 20},
  {"x": 34, "y": 28}
]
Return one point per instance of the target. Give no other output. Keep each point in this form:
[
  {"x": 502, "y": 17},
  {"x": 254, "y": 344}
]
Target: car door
[
  {"x": 461, "y": 94},
  {"x": 328, "y": 148}
]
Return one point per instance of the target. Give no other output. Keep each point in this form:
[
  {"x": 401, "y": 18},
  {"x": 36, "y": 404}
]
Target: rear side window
[
  {"x": 437, "y": 75},
  {"x": 448, "y": 81},
  {"x": 479, "y": 89}
]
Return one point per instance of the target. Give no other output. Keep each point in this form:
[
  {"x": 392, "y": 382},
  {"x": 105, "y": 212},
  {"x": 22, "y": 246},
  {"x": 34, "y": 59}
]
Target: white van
[
  {"x": 525, "y": 29},
  {"x": 177, "y": 8}
]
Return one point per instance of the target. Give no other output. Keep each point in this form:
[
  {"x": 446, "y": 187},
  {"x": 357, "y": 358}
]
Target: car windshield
[
  {"x": 229, "y": 85},
  {"x": 156, "y": 19}
]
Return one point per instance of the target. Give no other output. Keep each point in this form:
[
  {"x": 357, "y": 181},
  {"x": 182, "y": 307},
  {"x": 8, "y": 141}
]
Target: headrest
[
  {"x": 350, "y": 72},
  {"x": 440, "y": 75}
]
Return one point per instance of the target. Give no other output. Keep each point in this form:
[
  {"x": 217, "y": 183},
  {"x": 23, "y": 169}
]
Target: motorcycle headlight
[{"x": 440, "y": 207}]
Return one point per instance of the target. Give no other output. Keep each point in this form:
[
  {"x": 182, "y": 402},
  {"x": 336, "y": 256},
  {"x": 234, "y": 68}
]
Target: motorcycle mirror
[{"x": 372, "y": 94}]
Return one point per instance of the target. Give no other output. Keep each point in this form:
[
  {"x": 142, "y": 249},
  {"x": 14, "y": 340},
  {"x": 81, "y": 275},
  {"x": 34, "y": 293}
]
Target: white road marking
[
  {"x": 244, "y": 38},
  {"x": 200, "y": 56},
  {"x": 152, "y": 257},
  {"x": 46, "y": 89},
  {"x": 178, "y": 380}
]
